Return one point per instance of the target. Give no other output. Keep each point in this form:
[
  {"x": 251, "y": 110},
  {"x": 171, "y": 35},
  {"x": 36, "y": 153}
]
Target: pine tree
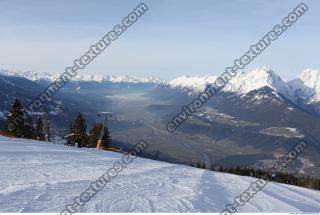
[
  {"x": 79, "y": 130},
  {"x": 15, "y": 120},
  {"x": 106, "y": 138},
  {"x": 28, "y": 129},
  {"x": 94, "y": 135},
  {"x": 39, "y": 133},
  {"x": 47, "y": 125},
  {"x": 70, "y": 137},
  {"x": 48, "y": 132}
]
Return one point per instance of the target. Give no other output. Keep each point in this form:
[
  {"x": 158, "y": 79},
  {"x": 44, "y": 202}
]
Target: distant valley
[{"x": 256, "y": 118}]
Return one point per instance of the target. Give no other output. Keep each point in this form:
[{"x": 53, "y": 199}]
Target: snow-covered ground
[
  {"x": 44, "y": 177},
  {"x": 282, "y": 132}
]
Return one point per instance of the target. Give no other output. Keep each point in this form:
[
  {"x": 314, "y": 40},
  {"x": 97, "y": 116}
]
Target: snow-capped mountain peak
[
  {"x": 196, "y": 83},
  {"x": 5, "y": 72},
  {"x": 131, "y": 79},
  {"x": 241, "y": 84},
  {"x": 310, "y": 76},
  {"x": 307, "y": 85},
  {"x": 256, "y": 79},
  {"x": 305, "y": 88},
  {"x": 35, "y": 76},
  {"x": 95, "y": 77}
]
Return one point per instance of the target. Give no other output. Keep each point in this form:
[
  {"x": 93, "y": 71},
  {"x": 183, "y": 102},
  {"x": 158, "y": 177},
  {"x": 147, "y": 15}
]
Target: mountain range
[
  {"x": 253, "y": 120},
  {"x": 304, "y": 88}
]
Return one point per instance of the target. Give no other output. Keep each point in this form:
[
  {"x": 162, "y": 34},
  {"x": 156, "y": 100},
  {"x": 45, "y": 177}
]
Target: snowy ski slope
[{"x": 44, "y": 177}]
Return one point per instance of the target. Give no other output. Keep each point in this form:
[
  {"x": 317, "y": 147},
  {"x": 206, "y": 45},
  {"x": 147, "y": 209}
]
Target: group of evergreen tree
[
  {"x": 78, "y": 136},
  {"x": 20, "y": 124},
  {"x": 280, "y": 177}
]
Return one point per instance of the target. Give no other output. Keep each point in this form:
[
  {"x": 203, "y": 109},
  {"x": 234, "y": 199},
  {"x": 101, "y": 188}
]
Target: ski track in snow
[{"x": 43, "y": 177}]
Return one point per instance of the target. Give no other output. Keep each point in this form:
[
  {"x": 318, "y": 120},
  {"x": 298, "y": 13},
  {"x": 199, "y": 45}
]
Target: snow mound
[{"x": 44, "y": 177}]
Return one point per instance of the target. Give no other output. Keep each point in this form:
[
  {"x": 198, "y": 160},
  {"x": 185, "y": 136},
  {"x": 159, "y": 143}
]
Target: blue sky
[{"x": 173, "y": 38}]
